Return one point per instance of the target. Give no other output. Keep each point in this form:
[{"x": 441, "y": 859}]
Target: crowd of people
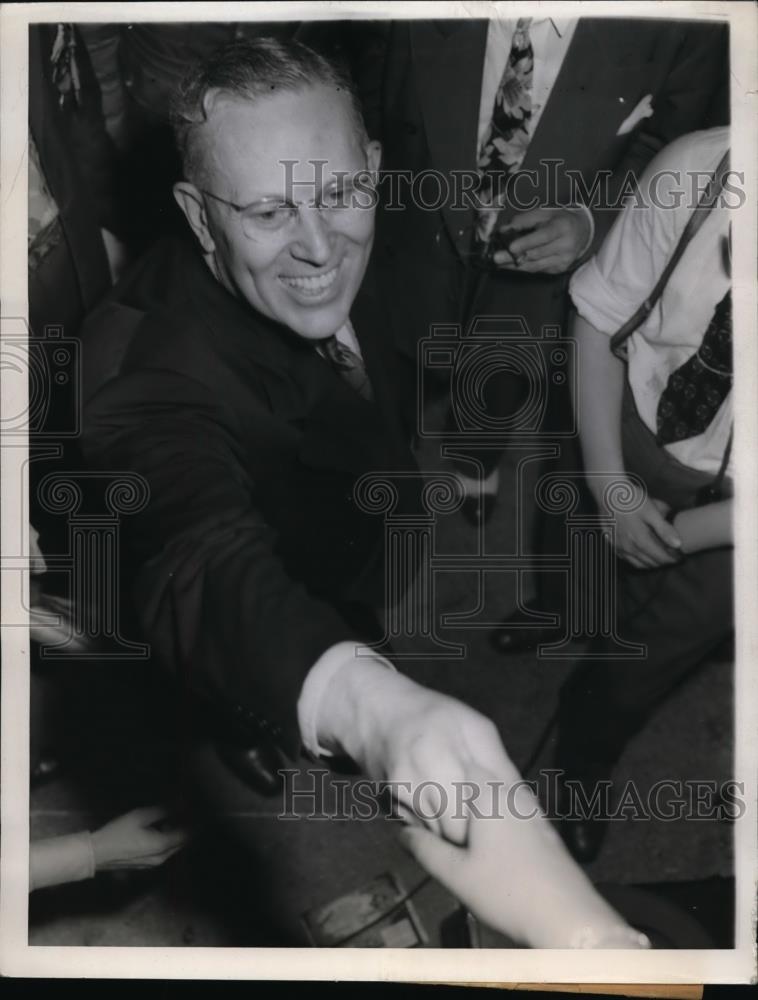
[{"x": 256, "y": 357}]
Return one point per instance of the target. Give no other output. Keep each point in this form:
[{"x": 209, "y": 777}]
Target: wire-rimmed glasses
[{"x": 272, "y": 215}]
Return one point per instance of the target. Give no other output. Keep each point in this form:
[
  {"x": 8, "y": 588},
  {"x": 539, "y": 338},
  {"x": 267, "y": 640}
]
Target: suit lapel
[
  {"x": 555, "y": 130},
  {"x": 573, "y": 98},
  {"x": 449, "y": 60}
]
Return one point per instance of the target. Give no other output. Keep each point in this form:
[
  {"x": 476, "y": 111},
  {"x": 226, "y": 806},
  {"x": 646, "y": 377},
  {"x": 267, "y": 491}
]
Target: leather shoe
[
  {"x": 584, "y": 834},
  {"x": 477, "y": 508},
  {"x": 584, "y": 837},
  {"x": 258, "y": 766},
  {"x": 518, "y": 632}
]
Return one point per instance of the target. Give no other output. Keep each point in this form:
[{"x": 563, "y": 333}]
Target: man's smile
[{"x": 312, "y": 285}]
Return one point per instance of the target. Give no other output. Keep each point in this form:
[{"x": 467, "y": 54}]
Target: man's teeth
[{"x": 317, "y": 283}]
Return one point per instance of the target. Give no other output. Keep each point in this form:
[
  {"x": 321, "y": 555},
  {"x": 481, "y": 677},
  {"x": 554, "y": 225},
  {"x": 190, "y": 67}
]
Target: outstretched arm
[{"x": 511, "y": 849}]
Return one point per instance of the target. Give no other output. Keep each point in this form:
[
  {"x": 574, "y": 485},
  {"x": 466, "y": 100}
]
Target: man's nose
[{"x": 314, "y": 238}]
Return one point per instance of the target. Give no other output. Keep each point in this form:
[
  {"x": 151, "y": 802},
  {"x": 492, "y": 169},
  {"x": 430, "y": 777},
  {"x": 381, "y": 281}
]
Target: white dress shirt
[
  {"x": 346, "y": 336},
  {"x": 609, "y": 288}
]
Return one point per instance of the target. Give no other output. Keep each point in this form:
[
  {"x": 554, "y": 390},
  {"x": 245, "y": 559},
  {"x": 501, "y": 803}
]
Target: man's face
[{"x": 301, "y": 267}]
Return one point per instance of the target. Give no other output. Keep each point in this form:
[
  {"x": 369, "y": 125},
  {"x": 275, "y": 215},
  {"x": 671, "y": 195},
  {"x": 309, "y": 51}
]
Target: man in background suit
[{"x": 574, "y": 95}]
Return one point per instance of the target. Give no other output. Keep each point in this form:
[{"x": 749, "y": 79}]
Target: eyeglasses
[{"x": 261, "y": 218}]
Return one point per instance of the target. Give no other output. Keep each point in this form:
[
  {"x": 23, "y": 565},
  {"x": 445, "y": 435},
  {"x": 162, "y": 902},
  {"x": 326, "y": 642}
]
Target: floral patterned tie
[
  {"x": 507, "y": 137},
  {"x": 64, "y": 65},
  {"x": 695, "y": 391}
]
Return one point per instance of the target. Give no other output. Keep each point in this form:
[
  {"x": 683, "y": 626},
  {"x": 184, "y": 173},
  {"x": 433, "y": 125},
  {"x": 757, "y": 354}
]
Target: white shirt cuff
[
  {"x": 314, "y": 687},
  {"x": 61, "y": 859}
]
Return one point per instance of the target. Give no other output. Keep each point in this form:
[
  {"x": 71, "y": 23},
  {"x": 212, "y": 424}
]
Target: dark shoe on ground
[
  {"x": 258, "y": 766},
  {"x": 584, "y": 808},
  {"x": 584, "y": 838}
]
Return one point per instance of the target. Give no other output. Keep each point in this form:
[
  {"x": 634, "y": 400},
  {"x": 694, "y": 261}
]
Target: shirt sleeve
[
  {"x": 610, "y": 286},
  {"x": 335, "y": 659},
  {"x": 61, "y": 859}
]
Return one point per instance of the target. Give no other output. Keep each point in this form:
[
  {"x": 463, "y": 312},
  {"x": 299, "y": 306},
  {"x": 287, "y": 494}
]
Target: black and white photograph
[{"x": 379, "y": 536}]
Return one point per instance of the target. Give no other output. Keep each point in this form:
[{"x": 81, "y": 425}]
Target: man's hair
[{"x": 250, "y": 69}]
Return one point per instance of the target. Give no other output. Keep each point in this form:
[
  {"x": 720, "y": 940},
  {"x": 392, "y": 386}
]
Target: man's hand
[
  {"x": 428, "y": 743},
  {"x": 644, "y": 538},
  {"x": 558, "y": 238}
]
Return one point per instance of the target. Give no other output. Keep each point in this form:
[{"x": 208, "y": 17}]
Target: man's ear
[{"x": 191, "y": 202}]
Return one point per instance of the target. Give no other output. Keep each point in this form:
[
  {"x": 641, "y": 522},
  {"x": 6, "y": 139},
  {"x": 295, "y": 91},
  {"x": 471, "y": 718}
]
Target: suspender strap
[
  {"x": 707, "y": 200},
  {"x": 718, "y": 482}
]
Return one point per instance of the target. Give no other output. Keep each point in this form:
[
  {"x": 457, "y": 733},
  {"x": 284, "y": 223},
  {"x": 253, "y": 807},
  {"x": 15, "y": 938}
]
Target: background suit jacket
[
  {"x": 251, "y": 552},
  {"x": 420, "y": 82},
  {"x": 77, "y": 160}
]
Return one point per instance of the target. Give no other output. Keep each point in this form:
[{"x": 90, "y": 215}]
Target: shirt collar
[{"x": 560, "y": 26}]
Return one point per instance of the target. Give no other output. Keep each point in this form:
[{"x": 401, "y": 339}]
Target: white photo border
[{"x": 17, "y": 957}]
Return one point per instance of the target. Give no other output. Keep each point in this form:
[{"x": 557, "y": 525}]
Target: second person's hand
[
  {"x": 645, "y": 539},
  {"x": 554, "y": 240},
  {"x": 517, "y": 876}
]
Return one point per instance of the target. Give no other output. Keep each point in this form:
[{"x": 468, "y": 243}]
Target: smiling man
[
  {"x": 251, "y": 384},
  {"x": 288, "y": 233}
]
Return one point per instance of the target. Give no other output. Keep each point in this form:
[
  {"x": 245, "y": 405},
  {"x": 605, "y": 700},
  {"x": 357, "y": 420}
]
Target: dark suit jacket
[
  {"x": 77, "y": 160},
  {"x": 251, "y": 554},
  {"x": 421, "y": 86}
]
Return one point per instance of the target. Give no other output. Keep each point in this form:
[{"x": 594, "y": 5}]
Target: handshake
[{"x": 502, "y": 859}]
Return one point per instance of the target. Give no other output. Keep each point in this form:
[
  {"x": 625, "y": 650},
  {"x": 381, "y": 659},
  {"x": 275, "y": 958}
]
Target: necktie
[
  {"x": 695, "y": 391},
  {"x": 349, "y": 365},
  {"x": 507, "y": 137},
  {"x": 64, "y": 65}
]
